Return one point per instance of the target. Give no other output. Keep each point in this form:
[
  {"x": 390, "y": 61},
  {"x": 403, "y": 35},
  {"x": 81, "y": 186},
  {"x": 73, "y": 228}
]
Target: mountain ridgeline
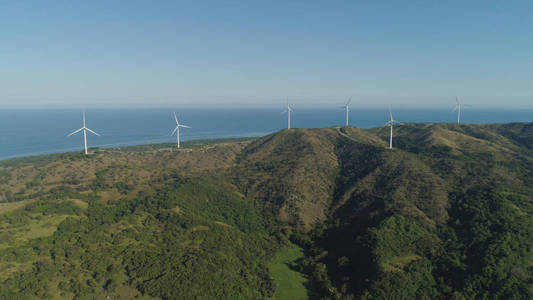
[{"x": 446, "y": 214}]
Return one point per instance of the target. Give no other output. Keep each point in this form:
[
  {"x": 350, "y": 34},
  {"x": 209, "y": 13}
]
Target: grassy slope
[{"x": 290, "y": 283}]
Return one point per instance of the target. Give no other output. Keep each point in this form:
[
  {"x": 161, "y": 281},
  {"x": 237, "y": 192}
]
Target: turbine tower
[
  {"x": 457, "y": 108},
  {"x": 288, "y": 111},
  {"x": 391, "y": 124},
  {"x": 347, "y": 107},
  {"x": 177, "y": 129},
  {"x": 84, "y": 129}
]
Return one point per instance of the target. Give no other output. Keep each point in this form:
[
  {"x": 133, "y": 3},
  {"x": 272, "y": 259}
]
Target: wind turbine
[
  {"x": 347, "y": 107},
  {"x": 391, "y": 124},
  {"x": 84, "y": 129},
  {"x": 177, "y": 129},
  {"x": 457, "y": 108},
  {"x": 288, "y": 111}
]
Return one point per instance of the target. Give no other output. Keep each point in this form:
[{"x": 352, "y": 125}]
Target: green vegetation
[
  {"x": 284, "y": 269},
  {"x": 303, "y": 213},
  {"x": 446, "y": 216},
  {"x": 131, "y": 242}
]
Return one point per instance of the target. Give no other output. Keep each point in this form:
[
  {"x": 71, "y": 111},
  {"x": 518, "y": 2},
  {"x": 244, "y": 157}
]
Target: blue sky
[{"x": 256, "y": 53}]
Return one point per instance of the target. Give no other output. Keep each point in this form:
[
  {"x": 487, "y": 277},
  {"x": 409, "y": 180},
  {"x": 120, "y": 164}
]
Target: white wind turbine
[
  {"x": 347, "y": 108},
  {"x": 457, "y": 108},
  {"x": 177, "y": 129},
  {"x": 391, "y": 124},
  {"x": 288, "y": 111},
  {"x": 84, "y": 129}
]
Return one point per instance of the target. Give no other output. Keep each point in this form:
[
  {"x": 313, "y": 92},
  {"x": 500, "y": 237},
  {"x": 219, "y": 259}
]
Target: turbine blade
[
  {"x": 349, "y": 100},
  {"x": 176, "y": 118},
  {"x": 76, "y": 131},
  {"x": 174, "y": 131},
  {"x": 92, "y": 132},
  {"x": 185, "y": 126}
]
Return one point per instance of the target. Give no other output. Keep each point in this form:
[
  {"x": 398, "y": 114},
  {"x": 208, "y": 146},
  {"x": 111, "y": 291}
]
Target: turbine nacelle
[
  {"x": 392, "y": 121},
  {"x": 347, "y": 108},
  {"x": 391, "y": 124},
  {"x": 457, "y": 108},
  {"x": 177, "y": 129},
  {"x": 288, "y": 111},
  {"x": 348, "y": 103},
  {"x": 84, "y": 129}
]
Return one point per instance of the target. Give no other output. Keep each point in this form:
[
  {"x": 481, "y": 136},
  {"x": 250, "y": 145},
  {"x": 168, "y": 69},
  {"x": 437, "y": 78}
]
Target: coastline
[{"x": 43, "y": 157}]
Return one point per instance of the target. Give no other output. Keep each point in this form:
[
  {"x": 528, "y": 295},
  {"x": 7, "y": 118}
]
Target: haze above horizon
[{"x": 98, "y": 54}]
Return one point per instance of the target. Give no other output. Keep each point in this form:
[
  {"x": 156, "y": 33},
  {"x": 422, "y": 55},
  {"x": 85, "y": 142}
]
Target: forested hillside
[{"x": 446, "y": 214}]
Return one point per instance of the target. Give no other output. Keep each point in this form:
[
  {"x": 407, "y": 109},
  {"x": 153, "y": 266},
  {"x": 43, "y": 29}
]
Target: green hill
[{"x": 446, "y": 214}]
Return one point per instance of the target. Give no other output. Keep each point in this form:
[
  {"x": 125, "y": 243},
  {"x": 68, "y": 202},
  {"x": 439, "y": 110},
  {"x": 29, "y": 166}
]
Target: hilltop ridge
[{"x": 315, "y": 162}]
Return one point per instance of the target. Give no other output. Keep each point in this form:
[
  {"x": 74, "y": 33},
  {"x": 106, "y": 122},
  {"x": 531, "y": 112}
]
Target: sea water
[{"x": 34, "y": 132}]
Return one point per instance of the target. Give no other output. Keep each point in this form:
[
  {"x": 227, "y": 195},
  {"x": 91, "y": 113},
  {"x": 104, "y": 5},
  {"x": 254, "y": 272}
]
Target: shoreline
[
  {"x": 32, "y": 158},
  {"x": 129, "y": 146}
]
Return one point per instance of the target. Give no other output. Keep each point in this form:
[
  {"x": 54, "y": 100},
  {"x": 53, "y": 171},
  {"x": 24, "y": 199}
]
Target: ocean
[{"x": 35, "y": 132}]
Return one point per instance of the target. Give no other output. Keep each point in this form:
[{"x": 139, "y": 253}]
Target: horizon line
[{"x": 268, "y": 107}]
